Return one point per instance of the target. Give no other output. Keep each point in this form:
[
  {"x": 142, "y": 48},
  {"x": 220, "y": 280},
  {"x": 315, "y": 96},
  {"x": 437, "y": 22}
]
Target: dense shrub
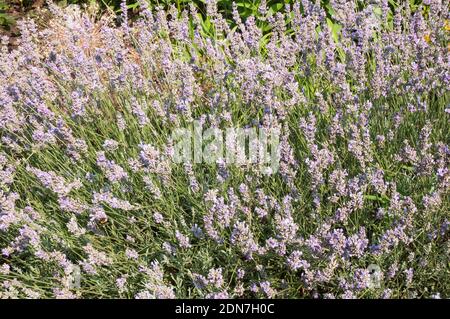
[{"x": 92, "y": 204}]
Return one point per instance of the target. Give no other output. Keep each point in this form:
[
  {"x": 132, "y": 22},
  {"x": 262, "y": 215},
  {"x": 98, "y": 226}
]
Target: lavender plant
[{"x": 92, "y": 204}]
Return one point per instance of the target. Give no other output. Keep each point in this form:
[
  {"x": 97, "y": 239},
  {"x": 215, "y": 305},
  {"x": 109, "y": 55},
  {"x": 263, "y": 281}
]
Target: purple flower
[
  {"x": 131, "y": 253},
  {"x": 113, "y": 172},
  {"x": 183, "y": 240},
  {"x": 295, "y": 261}
]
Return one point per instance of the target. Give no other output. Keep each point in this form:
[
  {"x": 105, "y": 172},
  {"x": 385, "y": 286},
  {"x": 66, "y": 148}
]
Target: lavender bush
[{"x": 93, "y": 206}]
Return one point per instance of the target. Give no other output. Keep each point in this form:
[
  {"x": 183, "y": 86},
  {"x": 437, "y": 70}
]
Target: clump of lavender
[{"x": 357, "y": 207}]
